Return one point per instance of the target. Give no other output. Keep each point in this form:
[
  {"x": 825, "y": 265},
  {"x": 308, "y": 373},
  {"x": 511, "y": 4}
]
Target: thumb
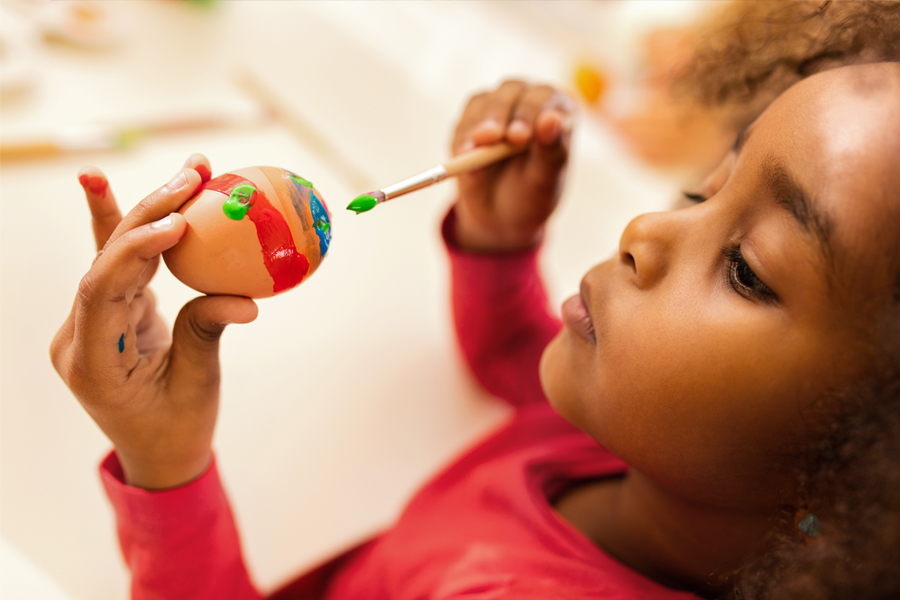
[{"x": 195, "y": 336}]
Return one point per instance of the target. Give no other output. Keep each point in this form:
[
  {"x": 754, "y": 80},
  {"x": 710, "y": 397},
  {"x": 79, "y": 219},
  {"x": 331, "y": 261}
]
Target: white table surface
[{"x": 347, "y": 392}]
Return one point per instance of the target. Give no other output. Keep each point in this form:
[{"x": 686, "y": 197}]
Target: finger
[
  {"x": 199, "y": 163},
  {"x": 472, "y": 115},
  {"x": 158, "y": 204},
  {"x": 147, "y": 275},
  {"x": 194, "y": 359},
  {"x": 498, "y": 113},
  {"x": 555, "y": 120},
  {"x": 105, "y": 214},
  {"x": 104, "y": 337},
  {"x": 547, "y": 158},
  {"x": 525, "y": 114}
]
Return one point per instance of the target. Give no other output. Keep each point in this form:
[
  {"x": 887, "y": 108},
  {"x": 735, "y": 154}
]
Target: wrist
[
  {"x": 161, "y": 474},
  {"x": 469, "y": 235}
]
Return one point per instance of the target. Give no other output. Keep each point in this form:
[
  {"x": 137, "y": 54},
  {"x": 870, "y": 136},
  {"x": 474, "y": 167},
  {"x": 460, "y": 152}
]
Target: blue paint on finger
[{"x": 121, "y": 343}]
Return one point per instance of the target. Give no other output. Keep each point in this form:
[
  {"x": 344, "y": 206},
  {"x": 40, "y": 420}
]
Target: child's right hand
[
  {"x": 504, "y": 207},
  {"x": 154, "y": 395}
]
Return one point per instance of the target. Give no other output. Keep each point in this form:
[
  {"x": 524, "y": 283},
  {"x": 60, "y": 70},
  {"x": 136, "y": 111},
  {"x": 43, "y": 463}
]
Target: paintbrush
[{"x": 470, "y": 161}]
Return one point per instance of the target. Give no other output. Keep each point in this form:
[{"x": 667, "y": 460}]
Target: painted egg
[{"x": 252, "y": 232}]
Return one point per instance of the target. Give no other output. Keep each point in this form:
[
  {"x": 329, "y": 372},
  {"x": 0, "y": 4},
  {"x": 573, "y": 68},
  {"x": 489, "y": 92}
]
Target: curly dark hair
[
  {"x": 852, "y": 484},
  {"x": 749, "y": 51}
]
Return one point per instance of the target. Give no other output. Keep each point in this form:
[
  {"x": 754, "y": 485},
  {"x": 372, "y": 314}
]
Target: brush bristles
[{"x": 366, "y": 202}]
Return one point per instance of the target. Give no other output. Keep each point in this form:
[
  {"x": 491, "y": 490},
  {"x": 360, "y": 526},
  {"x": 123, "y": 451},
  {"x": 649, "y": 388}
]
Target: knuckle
[
  {"x": 147, "y": 204},
  {"x": 86, "y": 289},
  {"x": 476, "y": 101},
  {"x": 57, "y": 348},
  {"x": 204, "y": 333}
]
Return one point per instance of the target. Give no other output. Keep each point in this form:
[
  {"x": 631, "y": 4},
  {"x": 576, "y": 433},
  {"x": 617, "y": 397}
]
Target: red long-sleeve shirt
[{"x": 483, "y": 528}]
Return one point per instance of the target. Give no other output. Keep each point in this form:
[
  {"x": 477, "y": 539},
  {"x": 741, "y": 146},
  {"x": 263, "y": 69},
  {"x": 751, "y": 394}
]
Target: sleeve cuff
[{"x": 151, "y": 509}]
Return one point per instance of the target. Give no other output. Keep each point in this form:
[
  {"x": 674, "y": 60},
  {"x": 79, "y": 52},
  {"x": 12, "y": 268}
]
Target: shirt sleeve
[
  {"x": 180, "y": 544},
  {"x": 502, "y": 319}
]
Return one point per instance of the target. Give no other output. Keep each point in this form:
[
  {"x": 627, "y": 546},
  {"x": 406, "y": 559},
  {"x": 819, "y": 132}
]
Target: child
[{"x": 694, "y": 370}]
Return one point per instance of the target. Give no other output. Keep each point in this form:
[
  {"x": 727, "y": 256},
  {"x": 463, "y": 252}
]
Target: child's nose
[{"x": 646, "y": 246}]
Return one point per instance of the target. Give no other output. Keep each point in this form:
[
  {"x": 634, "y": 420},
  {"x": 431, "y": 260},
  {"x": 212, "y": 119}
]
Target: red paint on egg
[{"x": 285, "y": 264}]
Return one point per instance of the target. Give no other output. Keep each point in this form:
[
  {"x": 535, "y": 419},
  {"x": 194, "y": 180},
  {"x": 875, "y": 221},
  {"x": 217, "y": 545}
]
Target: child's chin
[{"x": 555, "y": 371}]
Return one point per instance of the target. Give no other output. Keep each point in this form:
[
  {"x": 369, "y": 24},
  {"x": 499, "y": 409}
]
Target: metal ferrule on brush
[{"x": 423, "y": 179}]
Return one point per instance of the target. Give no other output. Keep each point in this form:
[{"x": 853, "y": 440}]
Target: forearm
[
  {"x": 502, "y": 319},
  {"x": 180, "y": 543}
]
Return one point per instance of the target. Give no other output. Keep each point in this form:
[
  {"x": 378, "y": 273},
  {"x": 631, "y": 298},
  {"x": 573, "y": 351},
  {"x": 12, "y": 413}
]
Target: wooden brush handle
[{"x": 481, "y": 157}]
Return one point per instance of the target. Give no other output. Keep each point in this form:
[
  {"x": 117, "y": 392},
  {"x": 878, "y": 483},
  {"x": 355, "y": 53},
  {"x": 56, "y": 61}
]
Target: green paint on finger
[
  {"x": 362, "y": 203},
  {"x": 239, "y": 202},
  {"x": 121, "y": 343}
]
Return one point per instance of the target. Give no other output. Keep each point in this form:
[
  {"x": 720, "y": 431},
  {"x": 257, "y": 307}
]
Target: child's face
[{"x": 717, "y": 328}]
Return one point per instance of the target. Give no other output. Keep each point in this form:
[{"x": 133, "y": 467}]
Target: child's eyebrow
[{"x": 789, "y": 194}]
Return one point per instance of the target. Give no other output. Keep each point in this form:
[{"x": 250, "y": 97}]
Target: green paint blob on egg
[
  {"x": 299, "y": 180},
  {"x": 238, "y": 202},
  {"x": 323, "y": 225},
  {"x": 363, "y": 203}
]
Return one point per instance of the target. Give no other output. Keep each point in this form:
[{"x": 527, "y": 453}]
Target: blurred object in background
[
  {"x": 98, "y": 137},
  {"x": 591, "y": 82},
  {"x": 87, "y": 23},
  {"x": 664, "y": 131},
  {"x": 25, "y": 24},
  {"x": 202, "y": 3},
  {"x": 19, "y": 42},
  {"x": 701, "y": 82}
]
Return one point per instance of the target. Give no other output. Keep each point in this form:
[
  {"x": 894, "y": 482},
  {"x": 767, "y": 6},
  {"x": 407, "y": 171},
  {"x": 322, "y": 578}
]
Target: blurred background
[{"x": 347, "y": 392}]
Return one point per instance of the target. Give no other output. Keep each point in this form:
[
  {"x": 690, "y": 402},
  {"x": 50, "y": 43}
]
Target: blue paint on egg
[{"x": 320, "y": 217}]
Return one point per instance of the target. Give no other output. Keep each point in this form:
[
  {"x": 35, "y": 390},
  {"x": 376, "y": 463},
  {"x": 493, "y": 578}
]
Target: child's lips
[{"x": 575, "y": 315}]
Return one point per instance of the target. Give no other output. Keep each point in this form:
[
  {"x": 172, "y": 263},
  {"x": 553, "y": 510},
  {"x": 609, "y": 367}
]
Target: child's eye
[
  {"x": 742, "y": 278},
  {"x": 694, "y": 197}
]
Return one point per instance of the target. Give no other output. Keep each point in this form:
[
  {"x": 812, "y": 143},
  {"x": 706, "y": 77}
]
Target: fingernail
[
  {"x": 163, "y": 223},
  {"x": 177, "y": 182},
  {"x": 467, "y": 146}
]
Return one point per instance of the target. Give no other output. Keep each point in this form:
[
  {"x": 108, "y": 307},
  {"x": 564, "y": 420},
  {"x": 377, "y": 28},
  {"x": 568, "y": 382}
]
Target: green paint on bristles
[
  {"x": 301, "y": 181},
  {"x": 362, "y": 203},
  {"x": 238, "y": 202}
]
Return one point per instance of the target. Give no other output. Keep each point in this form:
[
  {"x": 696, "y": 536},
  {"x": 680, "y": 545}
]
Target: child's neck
[{"x": 677, "y": 543}]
